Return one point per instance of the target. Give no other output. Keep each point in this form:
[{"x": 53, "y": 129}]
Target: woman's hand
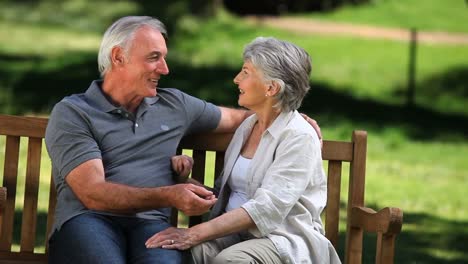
[
  {"x": 182, "y": 165},
  {"x": 173, "y": 238}
]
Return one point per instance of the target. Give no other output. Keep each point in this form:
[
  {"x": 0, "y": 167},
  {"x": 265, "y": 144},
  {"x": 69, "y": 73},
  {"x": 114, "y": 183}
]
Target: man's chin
[{"x": 152, "y": 92}]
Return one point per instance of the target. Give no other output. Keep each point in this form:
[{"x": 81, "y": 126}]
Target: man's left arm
[{"x": 231, "y": 119}]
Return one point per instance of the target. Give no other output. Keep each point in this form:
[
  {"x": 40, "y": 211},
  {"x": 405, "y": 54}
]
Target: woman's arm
[{"x": 180, "y": 238}]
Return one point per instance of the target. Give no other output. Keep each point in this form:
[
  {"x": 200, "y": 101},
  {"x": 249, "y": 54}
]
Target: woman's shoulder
[{"x": 299, "y": 127}]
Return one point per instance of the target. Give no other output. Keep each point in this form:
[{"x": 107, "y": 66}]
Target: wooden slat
[
  {"x": 10, "y": 175},
  {"x": 198, "y": 173},
  {"x": 332, "y": 214},
  {"x": 22, "y": 257},
  {"x": 23, "y": 126},
  {"x": 50, "y": 211},
  {"x": 337, "y": 150},
  {"x": 208, "y": 141},
  {"x": 219, "y": 164},
  {"x": 198, "y": 170},
  {"x": 174, "y": 218},
  {"x": 3, "y": 197},
  {"x": 357, "y": 170},
  {"x": 28, "y": 227}
]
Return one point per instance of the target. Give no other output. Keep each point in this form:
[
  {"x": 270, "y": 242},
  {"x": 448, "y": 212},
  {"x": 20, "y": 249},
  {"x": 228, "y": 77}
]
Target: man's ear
[{"x": 117, "y": 56}]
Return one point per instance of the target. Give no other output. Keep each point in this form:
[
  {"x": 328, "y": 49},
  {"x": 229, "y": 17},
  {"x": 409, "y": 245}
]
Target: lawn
[
  {"x": 416, "y": 156},
  {"x": 426, "y": 15}
]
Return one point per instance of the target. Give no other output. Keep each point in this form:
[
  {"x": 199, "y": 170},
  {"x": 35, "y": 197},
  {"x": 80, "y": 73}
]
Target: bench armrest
[
  {"x": 3, "y": 197},
  {"x": 387, "y": 221}
]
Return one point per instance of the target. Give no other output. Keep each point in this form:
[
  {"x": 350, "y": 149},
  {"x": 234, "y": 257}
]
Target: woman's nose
[{"x": 236, "y": 79}]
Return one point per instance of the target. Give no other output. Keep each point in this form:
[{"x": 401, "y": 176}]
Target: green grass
[
  {"x": 367, "y": 69},
  {"x": 427, "y": 15},
  {"x": 47, "y": 41},
  {"x": 416, "y": 157}
]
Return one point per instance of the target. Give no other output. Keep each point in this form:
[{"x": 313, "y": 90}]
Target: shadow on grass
[
  {"x": 417, "y": 122},
  {"x": 36, "y": 84},
  {"x": 41, "y": 228}
]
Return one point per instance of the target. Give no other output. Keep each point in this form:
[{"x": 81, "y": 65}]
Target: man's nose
[{"x": 163, "y": 68}]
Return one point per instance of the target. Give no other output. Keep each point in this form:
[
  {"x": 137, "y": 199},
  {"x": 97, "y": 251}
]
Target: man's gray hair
[
  {"x": 284, "y": 63},
  {"x": 121, "y": 33}
]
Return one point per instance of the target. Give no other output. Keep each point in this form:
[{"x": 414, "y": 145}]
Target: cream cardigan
[{"x": 286, "y": 187}]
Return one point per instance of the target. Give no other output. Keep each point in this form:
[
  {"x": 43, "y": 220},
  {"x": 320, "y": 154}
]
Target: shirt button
[
  {"x": 136, "y": 125},
  {"x": 119, "y": 111}
]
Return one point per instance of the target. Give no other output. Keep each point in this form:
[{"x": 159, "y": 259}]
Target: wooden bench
[{"x": 386, "y": 223}]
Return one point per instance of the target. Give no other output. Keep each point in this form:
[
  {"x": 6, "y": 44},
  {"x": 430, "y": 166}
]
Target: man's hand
[
  {"x": 192, "y": 199},
  {"x": 315, "y": 125},
  {"x": 182, "y": 165}
]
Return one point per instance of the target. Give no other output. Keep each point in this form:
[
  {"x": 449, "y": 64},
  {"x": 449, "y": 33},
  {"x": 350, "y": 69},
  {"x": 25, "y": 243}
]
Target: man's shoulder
[
  {"x": 176, "y": 95},
  {"x": 74, "y": 101},
  {"x": 170, "y": 91}
]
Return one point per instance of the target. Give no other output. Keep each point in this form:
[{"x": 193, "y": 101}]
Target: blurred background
[{"x": 398, "y": 69}]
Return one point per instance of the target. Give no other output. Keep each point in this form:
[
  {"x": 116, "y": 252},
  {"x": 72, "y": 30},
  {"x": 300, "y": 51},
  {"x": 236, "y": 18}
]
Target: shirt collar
[
  {"x": 96, "y": 97},
  {"x": 276, "y": 127},
  {"x": 280, "y": 123}
]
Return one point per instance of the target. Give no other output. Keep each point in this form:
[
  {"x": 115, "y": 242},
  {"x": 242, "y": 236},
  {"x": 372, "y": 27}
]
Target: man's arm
[
  {"x": 231, "y": 119},
  {"x": 88, "y": 183}
]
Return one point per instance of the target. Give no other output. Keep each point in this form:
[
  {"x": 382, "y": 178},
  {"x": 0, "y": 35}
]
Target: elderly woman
[{"x": 273, "y": 188}]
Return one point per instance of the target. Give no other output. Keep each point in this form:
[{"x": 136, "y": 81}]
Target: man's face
[{"x": 145, "y": 62}]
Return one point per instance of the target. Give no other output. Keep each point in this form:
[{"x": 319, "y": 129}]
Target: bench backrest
[{"x": 30, "y": 226}]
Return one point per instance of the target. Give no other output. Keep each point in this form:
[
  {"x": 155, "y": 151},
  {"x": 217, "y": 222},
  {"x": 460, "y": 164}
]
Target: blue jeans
[{"x": 97, "y": 239}]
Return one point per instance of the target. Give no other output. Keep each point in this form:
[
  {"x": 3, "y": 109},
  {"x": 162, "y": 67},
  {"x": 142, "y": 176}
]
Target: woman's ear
[{"x": 273, "y": 88}]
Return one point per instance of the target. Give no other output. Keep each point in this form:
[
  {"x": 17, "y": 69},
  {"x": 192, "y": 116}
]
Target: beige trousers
[{"x": 232, "y": 249}]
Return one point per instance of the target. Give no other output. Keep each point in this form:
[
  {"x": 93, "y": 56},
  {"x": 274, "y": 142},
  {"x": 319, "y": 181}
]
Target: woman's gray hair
[
  {"x": 284, "y": 63},
  {"x": 120, "y": 33}
]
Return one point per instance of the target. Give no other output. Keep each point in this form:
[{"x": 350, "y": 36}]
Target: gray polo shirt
[{"x": 135, "y": 149}]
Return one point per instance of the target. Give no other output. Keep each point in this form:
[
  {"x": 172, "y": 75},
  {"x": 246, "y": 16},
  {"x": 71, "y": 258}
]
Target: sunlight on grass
[
  {"x": 363, "y": 68},
  {"x": 42, "y": 41},
  {"x": 431, "y": 15}
]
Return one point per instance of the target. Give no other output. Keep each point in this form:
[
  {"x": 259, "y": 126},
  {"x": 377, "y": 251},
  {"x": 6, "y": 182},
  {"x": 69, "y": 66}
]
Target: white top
[
  {"x": 286, "y": 188},
  {"x": 238, "y": 184}
]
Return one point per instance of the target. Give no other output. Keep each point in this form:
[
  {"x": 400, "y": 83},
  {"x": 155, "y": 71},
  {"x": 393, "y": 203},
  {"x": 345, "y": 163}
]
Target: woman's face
[{"x": 252, "y": 87}]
